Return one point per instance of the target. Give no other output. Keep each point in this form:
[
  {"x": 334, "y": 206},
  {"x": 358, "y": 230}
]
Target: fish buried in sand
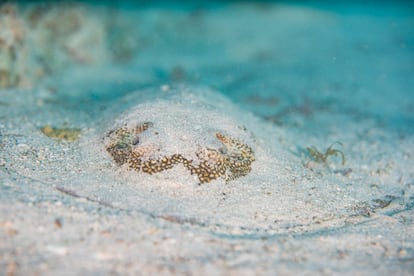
[{"x": 231, "y": 162}]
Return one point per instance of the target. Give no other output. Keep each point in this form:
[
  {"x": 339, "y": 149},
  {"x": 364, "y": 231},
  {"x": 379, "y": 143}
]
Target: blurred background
[{"x": 278, "y": 59}]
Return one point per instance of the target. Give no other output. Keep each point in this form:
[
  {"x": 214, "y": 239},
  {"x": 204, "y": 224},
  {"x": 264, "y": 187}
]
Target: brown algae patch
[
  {"x": 229, "y": 162},
  {"x": 68, "y": 134}
]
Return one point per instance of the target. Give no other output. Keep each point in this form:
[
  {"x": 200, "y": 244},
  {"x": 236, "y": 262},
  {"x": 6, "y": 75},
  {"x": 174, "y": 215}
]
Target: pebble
[{"x": 22, "y": 148}]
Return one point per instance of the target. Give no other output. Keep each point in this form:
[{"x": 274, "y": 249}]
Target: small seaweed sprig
[{"x": 323, "y": 157}]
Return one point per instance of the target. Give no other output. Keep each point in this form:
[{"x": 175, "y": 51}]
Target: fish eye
[{"x": 135, "y": 141}]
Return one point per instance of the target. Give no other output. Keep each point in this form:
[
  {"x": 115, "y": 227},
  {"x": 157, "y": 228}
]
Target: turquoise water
[{"x": 352, "y": 58}]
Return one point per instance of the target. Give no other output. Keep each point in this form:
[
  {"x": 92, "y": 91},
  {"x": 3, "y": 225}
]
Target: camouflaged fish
[{"x": 231, "y": 162}]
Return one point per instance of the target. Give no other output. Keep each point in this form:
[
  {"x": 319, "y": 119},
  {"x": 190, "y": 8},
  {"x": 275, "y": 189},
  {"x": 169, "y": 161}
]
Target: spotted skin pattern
[{"x": 229, "y": 163}]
